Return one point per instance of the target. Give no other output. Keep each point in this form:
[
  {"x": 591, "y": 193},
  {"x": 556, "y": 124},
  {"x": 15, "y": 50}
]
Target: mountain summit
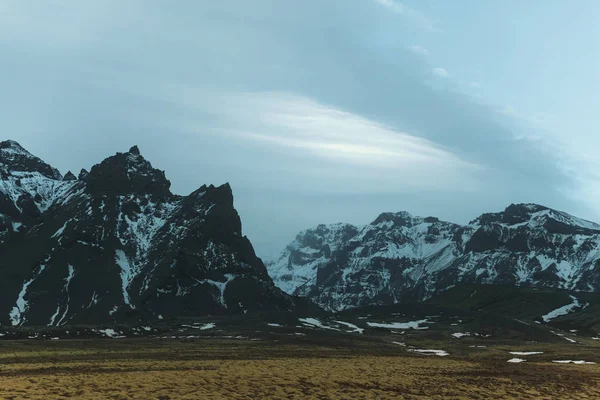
[
  {"x": 399, "y": 257},
  {"x": 115, "y": 244}
]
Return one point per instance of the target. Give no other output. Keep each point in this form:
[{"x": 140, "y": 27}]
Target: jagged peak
[
  {"x": 535, "y": 215},
  {"x": 127, "y": 173},
  {"x": 533, "y": 207},
  {"x": 15, "y": 158},
  {"x": 222, "y": 195},
  {"x": 524, "y": 208},
  {"x": 402, "y": 218},
  {"x": 69, "y": 176},
  {"x": 13, "y": 147},
  {"x": 394, "y": 217}
]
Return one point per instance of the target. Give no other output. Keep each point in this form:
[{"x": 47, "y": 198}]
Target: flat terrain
[
  {"x": 288, "y": 367},
  {"x": 457, "y": 346}
]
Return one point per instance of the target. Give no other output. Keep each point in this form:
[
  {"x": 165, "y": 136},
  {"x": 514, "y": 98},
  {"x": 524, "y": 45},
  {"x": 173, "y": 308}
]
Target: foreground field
[{"x": 302, "y": 369}]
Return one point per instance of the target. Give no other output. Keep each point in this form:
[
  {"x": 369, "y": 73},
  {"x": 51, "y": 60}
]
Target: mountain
[
  {"x": 28, "y": 187},
  {"x": 114, "y": 245},
  {"x": 399, "y": 257}
]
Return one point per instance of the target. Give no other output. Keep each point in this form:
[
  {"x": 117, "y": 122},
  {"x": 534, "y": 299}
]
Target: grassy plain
[{"x": 290, "y": 368}]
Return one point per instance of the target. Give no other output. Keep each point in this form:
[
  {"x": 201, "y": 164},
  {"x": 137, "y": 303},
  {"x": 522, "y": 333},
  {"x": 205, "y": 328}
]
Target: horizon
[{"x": 359, "y": 225}]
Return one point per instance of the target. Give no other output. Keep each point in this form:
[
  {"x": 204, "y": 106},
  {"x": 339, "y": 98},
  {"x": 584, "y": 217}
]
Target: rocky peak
[
  {"x": 214, "y": 206},
  {"x": 536, "y": 217},
  {"x": 14, "y": 158},
  {"x": 128, "y": 173},
  {"x": 13, "y": 147},
  {"x": 402, "y": 218},
  {"x": 69, "y": 176},
  {"x": 520, "y": 213},
  {"x": 513, "y": 214}
]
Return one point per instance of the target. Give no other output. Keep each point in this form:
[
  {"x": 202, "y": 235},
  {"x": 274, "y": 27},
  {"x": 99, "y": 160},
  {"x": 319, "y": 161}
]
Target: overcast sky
[{"x": 317, "y": 111}]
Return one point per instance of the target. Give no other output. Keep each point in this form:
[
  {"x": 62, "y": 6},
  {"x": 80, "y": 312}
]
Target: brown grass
[{"x": 227, "y": 370}]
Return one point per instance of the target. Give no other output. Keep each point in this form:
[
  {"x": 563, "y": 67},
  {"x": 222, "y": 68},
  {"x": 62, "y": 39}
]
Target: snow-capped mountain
[
  {"x": 115, "y": 244},
  {"x": 399, "y": 257},
  {"x": 28, "y": 187}
]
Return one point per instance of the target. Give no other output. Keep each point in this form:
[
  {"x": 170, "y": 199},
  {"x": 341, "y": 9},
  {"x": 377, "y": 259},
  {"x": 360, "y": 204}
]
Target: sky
[{"x": 317, "y": 111}]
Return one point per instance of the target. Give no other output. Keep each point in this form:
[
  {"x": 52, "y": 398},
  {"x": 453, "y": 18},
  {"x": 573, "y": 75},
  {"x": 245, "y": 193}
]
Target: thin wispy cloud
[
  {"x": 418, "y": 50},
  {"x": 418, "y": 17},
  {"x": 392, "y": 5},
  {"x": 303, "y": 125},
  {"x": 441, "y": 72},
  {"x": 509, "y": 111}
]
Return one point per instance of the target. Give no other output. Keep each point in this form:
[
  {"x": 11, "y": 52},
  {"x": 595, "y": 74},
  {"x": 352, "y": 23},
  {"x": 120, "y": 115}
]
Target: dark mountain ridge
[{"x": 114, "y": 244}]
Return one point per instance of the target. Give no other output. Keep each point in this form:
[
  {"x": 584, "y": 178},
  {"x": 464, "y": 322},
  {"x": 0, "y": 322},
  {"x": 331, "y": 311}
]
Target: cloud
[
  {"x": 328, "y": 124},
  {"x": 509, "y": 111},
  {"x": 441, "y": 72},
  {"x": 71, "y": 24},
  {"x": 329, "y": 134},
  {"x": 418, "y": 50},
  {"x": 419, "y": 18},
  {"x": 392, "y": 5}
]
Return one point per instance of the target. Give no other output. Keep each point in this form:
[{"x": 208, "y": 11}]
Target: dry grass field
[{"x": 229, "y": 369}]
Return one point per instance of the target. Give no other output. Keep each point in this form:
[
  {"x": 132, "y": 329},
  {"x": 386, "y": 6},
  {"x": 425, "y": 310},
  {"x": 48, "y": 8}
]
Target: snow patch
[
  {"x": 17, "y": 314},
  {"x": 208, "y": 326},
  {"x": 458, "y": 335},
  {"x": 401, "y": 325},
  {"x": 562, "y": 335},
  {"x": 580, "y": 362},
  {"x": 516, "y": 360},
  {"x": 111, "y": 333},
  {"x": 127, "y": 274},
  {"x": 220, "y": 285},
  {"x": 67, "y": 282},
  {"x": 439, "y": 353},
  {"x": 355, "y": 329},
  {"x": 564, "y": 310},
  {"x": 60, "y": 231},
  {"x": 315, "y": 323}
]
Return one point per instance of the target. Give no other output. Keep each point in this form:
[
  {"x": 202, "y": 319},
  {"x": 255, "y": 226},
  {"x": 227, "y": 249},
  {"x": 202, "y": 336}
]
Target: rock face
[
  {"x": 399, "y": 257},
  {"x": 115, "y": 245}
]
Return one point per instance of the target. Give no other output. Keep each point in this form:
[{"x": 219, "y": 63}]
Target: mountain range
[
  {"x": 401, "y": 258},
  {"x": 114, "y": 244}
]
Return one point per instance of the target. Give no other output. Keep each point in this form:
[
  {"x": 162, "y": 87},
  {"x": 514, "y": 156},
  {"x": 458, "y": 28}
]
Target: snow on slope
[
  {"x": 400, "y": 257},
  {"x": 124, "y": 242},
  {"x": 564, "y": 310},
  {"x": 17, "y": 314}
]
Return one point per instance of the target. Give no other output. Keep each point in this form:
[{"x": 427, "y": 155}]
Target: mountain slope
[
  {"x": 399, "y": 257},
  {"x": 28, "y": 187},
  {"x": 116, "y": 244}
]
